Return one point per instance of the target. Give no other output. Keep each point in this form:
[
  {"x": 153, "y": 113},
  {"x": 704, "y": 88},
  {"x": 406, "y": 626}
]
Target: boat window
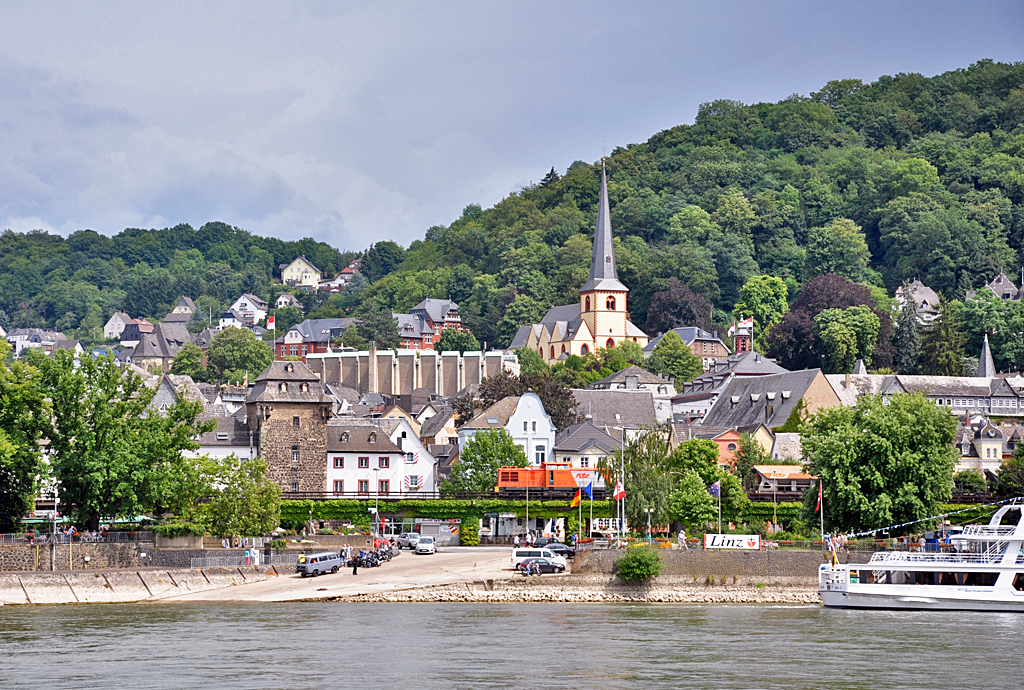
[{"x": 1018, "y": 582}]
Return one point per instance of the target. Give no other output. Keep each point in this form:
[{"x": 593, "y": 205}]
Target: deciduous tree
[
  {"x": 453, "y": 340},
  {"x": 237, "y": 350},
  {"x": 479, "y": 460},
  {"x": 672, "y": 357}
]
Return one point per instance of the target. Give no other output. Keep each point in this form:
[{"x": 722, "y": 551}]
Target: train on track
[{"x": 549, "y": 480}]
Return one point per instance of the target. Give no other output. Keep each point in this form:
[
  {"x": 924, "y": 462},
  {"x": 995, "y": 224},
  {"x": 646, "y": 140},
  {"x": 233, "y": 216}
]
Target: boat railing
[
  {"x": 912, "y": 557},
  {"x": 994, "y": 531}
]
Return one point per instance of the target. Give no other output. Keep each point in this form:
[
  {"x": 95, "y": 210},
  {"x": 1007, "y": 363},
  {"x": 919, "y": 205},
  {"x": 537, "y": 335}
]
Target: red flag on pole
[
  {"x": 619, "y": 492},
  {"x": 818, "y": 509}
]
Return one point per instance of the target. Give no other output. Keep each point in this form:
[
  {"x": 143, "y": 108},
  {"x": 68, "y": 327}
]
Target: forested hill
[{"x": 905, "y": 177}]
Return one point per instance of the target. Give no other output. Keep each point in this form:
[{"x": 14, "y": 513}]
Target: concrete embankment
[
  {"x": 598, "y": 588},
  {"x": 121, "y": 586}
]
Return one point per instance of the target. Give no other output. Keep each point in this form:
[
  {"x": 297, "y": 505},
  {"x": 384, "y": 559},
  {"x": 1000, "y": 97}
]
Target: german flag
[{"x": 576, "y": 499}]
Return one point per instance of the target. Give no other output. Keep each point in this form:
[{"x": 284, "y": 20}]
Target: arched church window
[
  {"x": 584, "y": 349},
  {"x": 552, "y": 352},
  {"x": 587, "y": 303},
  {"x": 563, "y": 349},
  {"x": 609, "y": 304},
  {"x": 609, "y": 343}
]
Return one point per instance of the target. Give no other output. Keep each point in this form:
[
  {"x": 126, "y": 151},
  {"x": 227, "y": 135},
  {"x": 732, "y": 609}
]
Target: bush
[
  {"x": 174, "y": 530},
  {"x": 638, "y": 564},
  {"x": 469, "y": 532},
  {"x": 278, "y": 544}
]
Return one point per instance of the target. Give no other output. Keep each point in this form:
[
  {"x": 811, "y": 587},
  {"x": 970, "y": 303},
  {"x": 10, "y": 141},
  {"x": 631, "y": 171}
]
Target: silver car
[
  {"x": 408, "y": 540},
  {"x": 426, "y": 545},
  {"x": 318, "y": 563}
]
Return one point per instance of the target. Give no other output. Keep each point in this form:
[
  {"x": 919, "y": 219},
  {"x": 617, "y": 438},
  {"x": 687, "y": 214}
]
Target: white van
[{"x": 520, "y": 555}]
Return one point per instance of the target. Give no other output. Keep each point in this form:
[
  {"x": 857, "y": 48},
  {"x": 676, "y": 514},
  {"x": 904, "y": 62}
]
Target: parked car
[
  {"x": 543, "y": 564},
  {"x": 543, "y": 541},
  {"x": 426, "y": 545},
  {"x": 520, "y": 555},
  {"x": 318, "y": 563},
  {"x": 408, "y": 540},
  {"x": 561, "y": 549}
]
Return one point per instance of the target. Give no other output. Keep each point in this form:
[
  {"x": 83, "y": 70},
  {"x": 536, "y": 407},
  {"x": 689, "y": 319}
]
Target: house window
[
  {"x": 339, "y": 463},
  {"x": 364, "y": 486},
  {"x": 295, "y": 453},
  {"x": 293, "y": 350},
  {"x": 295, "y": 487},
  {"x": 295, "y": 421},
  {"x": 731, "y": 447},
  {"x": 413, "y": 481},
  {"x": 563, "y": 349},
  {"x": 539, "y": 454},
  {"x": 552, "y": 352},
  {"x": 305, "y": 349},
  {"x": 609, "y": 304},
  {"x": 373, "y": 437},
  {"x": 383, "y": 463},
  {"x": 534, "y": 426},
  {"x": 283, "y": 387},
  {"x": 705, "y": 347},
  {"x": 382, "y": 486},
  {"x": 584, "y": 462},
  {"x": 587, "y": 303},
  {"x": 339, "y": 486},
  {"x": 364, "y": 463},
  {"x": 526, "y": 425}
]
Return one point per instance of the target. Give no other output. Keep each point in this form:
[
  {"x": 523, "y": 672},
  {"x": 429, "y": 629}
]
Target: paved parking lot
[{"x": 451, "y": 564}]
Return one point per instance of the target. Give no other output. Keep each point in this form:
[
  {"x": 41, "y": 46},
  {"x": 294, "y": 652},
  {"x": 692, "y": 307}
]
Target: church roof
[
  {"x": 986, "y": 365},
  {"x": 602, "y": 264}
]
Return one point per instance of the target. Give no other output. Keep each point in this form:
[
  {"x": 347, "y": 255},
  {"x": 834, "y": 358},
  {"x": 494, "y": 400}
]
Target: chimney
[{"x": 847, "y": 381}]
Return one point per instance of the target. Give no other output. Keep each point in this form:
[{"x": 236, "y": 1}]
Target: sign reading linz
[{"x": 751, "y": 542}]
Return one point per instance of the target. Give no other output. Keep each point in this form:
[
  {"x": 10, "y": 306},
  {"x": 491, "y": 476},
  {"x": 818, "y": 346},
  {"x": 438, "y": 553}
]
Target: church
[{"x": 599, "y": 319}]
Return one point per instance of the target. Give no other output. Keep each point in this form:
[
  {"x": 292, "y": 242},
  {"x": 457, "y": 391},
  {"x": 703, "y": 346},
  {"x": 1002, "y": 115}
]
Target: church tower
[{"x": 603, "y": 298}]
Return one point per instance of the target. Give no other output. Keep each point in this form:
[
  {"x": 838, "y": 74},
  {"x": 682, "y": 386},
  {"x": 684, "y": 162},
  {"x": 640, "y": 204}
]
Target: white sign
[{"x": 751, "y": 542}]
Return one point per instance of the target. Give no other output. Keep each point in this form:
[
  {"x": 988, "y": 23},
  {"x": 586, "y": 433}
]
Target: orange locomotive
[{"x": 549, "y": 480}]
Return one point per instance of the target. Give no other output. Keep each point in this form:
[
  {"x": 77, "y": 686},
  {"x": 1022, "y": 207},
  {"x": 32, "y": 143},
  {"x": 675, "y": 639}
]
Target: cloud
[{"x": 353, "y": 122}]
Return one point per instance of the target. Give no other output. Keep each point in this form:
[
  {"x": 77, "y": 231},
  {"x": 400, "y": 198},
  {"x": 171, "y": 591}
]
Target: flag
[
  {"x": 747, "y": 322},
  {"x": 732, "y": 329},
  {"x": 817, "y": 509},
  {"x": 270, "y": 323},
  {"x": 245, "y": 381},
  {"x": 716, "y": 489},
  {"x": 589, "y": 489},
  {"x": 575, "y": 499},
  {"x": 619, "y": 492}
]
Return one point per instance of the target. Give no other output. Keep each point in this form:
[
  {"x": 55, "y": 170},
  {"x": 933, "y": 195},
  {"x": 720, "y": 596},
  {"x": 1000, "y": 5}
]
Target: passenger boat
[{"x": 983, "y": 571}]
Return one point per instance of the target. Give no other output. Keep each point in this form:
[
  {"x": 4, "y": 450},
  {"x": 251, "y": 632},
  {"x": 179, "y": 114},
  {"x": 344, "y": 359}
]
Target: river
[{"x": 507, "y": 646}]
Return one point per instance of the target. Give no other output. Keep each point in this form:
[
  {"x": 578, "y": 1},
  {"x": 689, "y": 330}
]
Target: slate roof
[
  {"x": 293, "y": 375},
  {"x": 688, "y": 334},
  {"x": 432, "y": 426},
  {"x": 611, "y": 408},
  {"x": 359, "y": 435},
  {"x": 320, "y": 330},
  {"x": 582, "y": 435},
  {"x": 521, "y": 338},
  {"x": 436, "y": 309},
  {"x": 603, "y": 275},
  {"x": 499, "y": 411},
  {"x": 184, "y": 387},
  {"x": 565, "y": 312},
  {"x": 744, "y": 402},
  {"x": 186, "y": 302},
  {"x": 231, "y": 430},
  {"x": 619, "y": 377},
  {"x": 254, "y": 299},
  {"x": 859, "y": 385},
  {"x": 740, "y": 364},
  {"x": 787, "y": 446},
  {"x": 165, "y": 341},
  {"x": 986, "y": 365},
  {"x": 411, "y": 326},
  {"x": 1003, "y": 287}
]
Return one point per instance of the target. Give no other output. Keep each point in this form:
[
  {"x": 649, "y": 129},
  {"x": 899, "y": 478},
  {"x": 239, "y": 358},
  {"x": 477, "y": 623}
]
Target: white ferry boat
[{"x": 984, "y": 571}]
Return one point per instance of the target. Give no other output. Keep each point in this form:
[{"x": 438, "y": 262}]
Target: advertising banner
[{"x": 748, "y": 542}]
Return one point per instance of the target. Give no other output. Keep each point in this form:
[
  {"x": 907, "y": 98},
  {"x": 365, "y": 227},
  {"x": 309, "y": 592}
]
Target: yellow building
[{"x": 600, "y": 318}]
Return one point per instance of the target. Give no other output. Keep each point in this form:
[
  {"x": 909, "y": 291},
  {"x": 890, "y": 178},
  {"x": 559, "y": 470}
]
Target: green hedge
[{"x": 469, "y": 532}]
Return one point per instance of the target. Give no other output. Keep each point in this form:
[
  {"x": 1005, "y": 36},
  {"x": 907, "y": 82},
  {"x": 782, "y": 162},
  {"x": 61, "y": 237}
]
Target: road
[{"x": 449, "y": 565}]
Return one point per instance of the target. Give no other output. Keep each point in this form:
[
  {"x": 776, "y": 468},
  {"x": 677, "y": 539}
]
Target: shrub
[
  {"x": 638, "y": 564},
  {"x": 469, "y": 532},
  {"x": 174, "y": 530},
  {"x": 278, "y": 544}
]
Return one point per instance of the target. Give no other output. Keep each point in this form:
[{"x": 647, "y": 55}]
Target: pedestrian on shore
[
  {"x": 355, "y": 565},
  {"x": 682, "y": 539},
  {"x": 515, "y": 542}
]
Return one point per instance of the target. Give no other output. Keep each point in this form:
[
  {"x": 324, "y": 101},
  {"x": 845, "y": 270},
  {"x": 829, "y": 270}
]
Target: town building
[
  {"x": 621, "y": 414},
  {"x": 232, "y": 319},
  {"x": 252, "y": 308},
  {"x": 991, "y": 396},
  {"x": 288, "y": 409},
  {"x": 695, "y": 398},
  {"x": 583, "y": 446},
  {"x": 600, "y": 318},
  {"x": 157, "y": 349},
  {"x": 983, "y": 444},
  {"x": 182, "y": 311},
  {"x": 285, "y": 300},
  {"x": 47, "y": 339},
  {"x": 422, "y": 326},
  {"x": 705, "y": 345},
  {"x": 301, "y": 273},
  {"x": 133, "y": 332},
  {"x": 378, "y": 457},
  {"x": 924, "y": 299},
  {"x": 311, "y": 336},
  {"x": 115, "y": 325},
  {"x": 785, "y": 482},
  {"x": 635, "y": 378},
  {"x": 526, "y": 421}
]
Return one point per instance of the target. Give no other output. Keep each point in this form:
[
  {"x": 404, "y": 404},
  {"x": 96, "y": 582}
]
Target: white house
[
  {"x": 232, "y": 318},
  {"x": 301, "y": 272},
  {"x": 287, "y": 300},
  {"x": 251, "y": 307},
  {"x": 377, "y": 457},
  {"x": 115, "y": 325},
  {"x": 524, "y": 418}
]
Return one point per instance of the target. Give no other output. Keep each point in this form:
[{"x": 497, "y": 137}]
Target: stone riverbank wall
[{"x": 81, "y": 587}]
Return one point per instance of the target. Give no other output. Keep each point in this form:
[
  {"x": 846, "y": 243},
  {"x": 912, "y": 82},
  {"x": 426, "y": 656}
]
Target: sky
[{"x": 353, "y": 122}]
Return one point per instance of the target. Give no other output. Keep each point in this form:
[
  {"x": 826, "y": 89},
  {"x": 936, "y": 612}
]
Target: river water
[{"x": 508, "y": 646}]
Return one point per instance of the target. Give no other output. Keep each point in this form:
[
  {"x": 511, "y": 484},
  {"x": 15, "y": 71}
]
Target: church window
[
  {"x": 587, "y": 303},
  {"x": 563, "y": 349},
  {"x": 552, "y": 352},
  {"x": 609, "y": 304},
  {"x": 584, "y": 349},
  {"x": 610, "y": 343}
]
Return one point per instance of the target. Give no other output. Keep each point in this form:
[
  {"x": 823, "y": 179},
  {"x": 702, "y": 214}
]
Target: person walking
[
  {"x": 515, "y": 542},
  {"x": 682, "y": 539},
  {"x": 355, "y": 565}
]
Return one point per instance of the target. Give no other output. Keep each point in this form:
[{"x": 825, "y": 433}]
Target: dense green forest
[{"x": 908, "y": 176}]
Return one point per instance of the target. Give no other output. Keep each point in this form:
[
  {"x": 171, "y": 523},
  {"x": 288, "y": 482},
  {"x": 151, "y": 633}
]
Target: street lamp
[
  {"x": 648, "y": 511},
  {"x": 376, "y": 497}
]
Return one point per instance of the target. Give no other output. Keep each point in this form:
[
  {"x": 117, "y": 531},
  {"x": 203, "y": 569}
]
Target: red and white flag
[
  {"x": 619, "y": 492},
  {"x": 819, "y": 497},
  {"x": 270, "y": 323}
]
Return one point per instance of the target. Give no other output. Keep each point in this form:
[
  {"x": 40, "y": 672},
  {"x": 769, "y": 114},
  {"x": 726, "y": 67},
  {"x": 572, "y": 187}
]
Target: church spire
[
  {"x": 986, "y": 365},
  {"x": 602, "y": 263}
]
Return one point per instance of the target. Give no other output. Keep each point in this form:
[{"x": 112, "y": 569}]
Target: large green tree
[
  {"x": 237, "y": 350},
  {"x": 109, "y": 448},
  {"x": 764, "y": 298},
  {"x": 24, "y": 419},
  {"x": 189, "y": 362},
  {"x": 479, "y": 460},
  {"x": 840, "y": 247},
  {"x": 844, "y": 336},
  {"x": 880, "y": 463},
  {"x": 453, "y": 340},
  {"x": 906, "y": 340},
  {"x": 378, "y": 323},
  {"x": 672, "y": 357},
  {"x": 942, "y": 346},
  {"x": 246, "y": 502}
]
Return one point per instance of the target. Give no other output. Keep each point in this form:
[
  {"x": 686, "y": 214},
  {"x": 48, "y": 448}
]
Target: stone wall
[
  {"x": 279, "y": 435},
  {"x": 30, "y": 557},
  {"x": 735, "y": 566}
]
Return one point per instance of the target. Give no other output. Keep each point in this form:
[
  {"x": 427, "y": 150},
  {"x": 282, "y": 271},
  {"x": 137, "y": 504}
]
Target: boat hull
[{"x": 996, "y": 601}]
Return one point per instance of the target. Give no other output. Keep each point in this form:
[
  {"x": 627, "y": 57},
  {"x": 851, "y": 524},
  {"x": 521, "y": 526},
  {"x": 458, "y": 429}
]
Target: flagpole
[
  {"x": 719, "y": 509},
  {"x": 821, "y": 512}
]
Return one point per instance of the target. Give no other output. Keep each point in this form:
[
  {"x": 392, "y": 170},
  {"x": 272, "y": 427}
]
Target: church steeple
[
  {"x": 602, "y": 263},
  {"x": 986, "y": 365}
]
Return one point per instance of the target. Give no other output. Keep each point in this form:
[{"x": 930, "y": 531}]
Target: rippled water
[{"x": 454, "y": 646}]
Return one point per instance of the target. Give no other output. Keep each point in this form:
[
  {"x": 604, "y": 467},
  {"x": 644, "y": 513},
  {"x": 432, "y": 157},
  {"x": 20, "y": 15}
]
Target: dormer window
[
  {"x": 344, "y": 437},
  {"x": 305, "y": 388},
  {"x": 373, "y": 437},
  {"x": 289, "y": 367},
  {"x": 283, "y": 387}
]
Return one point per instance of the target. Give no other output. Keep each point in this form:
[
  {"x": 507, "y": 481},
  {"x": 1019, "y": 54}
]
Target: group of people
[{"x": 528, "y": 540}]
